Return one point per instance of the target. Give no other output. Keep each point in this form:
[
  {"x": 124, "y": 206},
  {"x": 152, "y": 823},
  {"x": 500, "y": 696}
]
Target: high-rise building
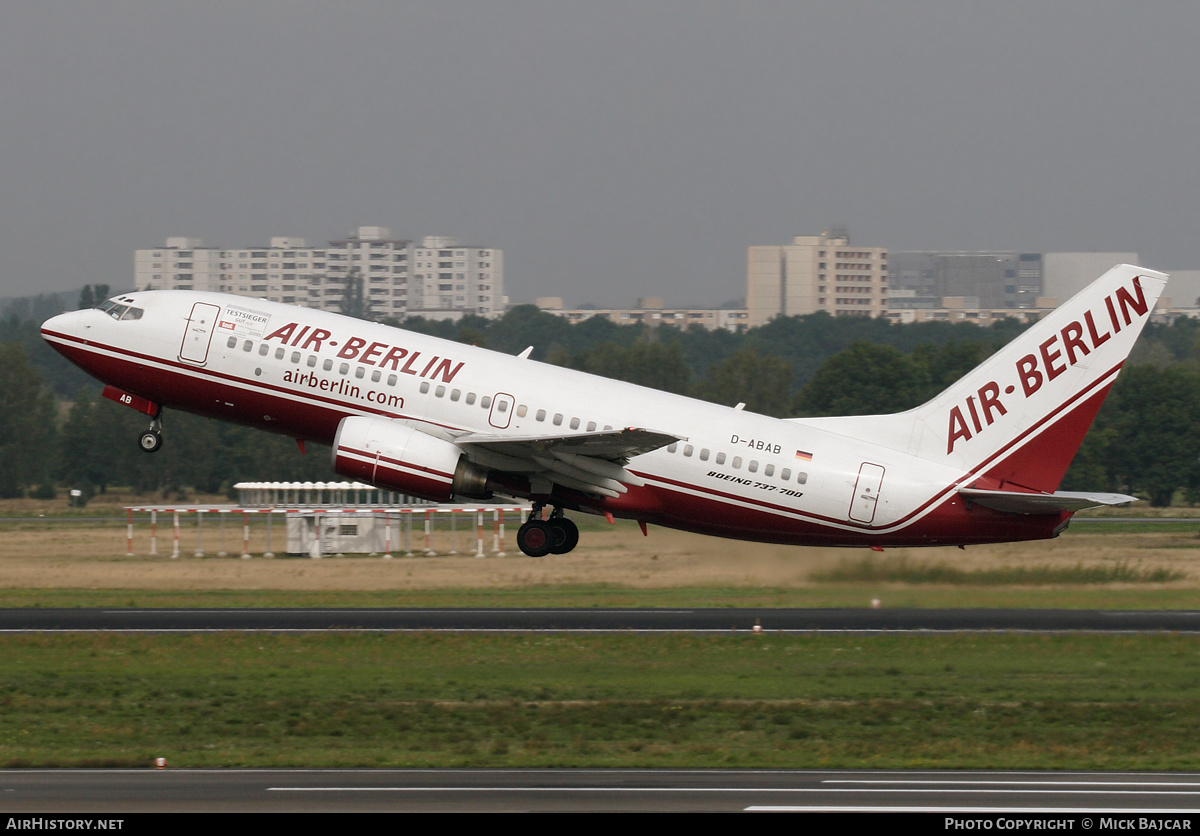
[
  {"x": 816, "y": 273},
  {"x": 983, "y": 279},
  {"x": 1069, "y": 273},
  {"x": 437, "y": 278}
]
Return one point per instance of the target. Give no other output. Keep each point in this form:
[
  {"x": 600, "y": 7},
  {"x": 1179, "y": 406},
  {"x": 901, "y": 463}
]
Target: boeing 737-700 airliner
[{"x": 979, "y": 463}]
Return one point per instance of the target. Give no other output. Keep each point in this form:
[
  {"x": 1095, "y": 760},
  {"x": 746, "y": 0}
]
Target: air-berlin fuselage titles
[
  {"x": 981, "y": 462},
  {"x": 378, "y": 354}
]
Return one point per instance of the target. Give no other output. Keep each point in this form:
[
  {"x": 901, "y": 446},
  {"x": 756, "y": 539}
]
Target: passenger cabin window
[
  {"x": 541, "y": 415},
  {"x": 424, "y": 387},
  {"x": 703, "y": 454},
  {"x": 327, "y": 365},
  {"x": 720, "y": 458},
  {"x": 785, "y": 474},
  {"x": 375, "y": 375},
  {"x": 344, "y": 368},
  {"x": 737, "y": 462},
  {"x": 232, "y": 343},
  {"x": 441, "y": 390},
  {"x": 753, "y": 466},
  {"x": 769, "y": 470},
  {"x": 312, "y": 361},
  {"x": 574, "y": 423},
  {"x": 391, "y": 380},
  {"x": 687, "y": 449},
  {"x": 263, "y": 349},
  {"x": 295, "y": 356},
  {"x": 470, "y": 398},
  {"x": 246, "y": 346},
  {"x": 558, "y": 419},
  {"x": 279, "y": 352},
  {"x": 455, "y": 395},
  {"x": 360, "y": 372},
  {"x": 522, "y": 410},
  {"x": 801, "y": 478},
  {"x": 485, "y": 402},
  {"x": 671, "y": 448},
  {"x": 591, "y": 427}
]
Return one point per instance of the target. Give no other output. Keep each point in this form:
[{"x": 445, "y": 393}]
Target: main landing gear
[
  {"x": 151, "y": 439},
  {"x": 538, "y": 537}
]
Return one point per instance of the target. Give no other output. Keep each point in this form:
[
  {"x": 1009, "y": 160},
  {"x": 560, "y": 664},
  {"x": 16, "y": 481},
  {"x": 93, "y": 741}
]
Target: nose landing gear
[
  {"x": 151, "y": 440},
  {"x": 538, "y": 537}
]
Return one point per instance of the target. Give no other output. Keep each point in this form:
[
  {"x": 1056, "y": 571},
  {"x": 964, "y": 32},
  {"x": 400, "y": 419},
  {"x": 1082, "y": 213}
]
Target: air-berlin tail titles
[
  {"x": 379, "y": 354},
  {"x": 1066, "y": 348}
]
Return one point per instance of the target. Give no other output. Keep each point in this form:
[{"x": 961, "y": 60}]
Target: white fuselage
[{"x": 734, "y": 473}]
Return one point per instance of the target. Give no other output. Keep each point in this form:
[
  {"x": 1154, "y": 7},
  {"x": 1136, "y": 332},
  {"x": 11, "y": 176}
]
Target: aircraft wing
[
  {"x": 1017, "y": 502},
  {"x": 592, "y": 462}
]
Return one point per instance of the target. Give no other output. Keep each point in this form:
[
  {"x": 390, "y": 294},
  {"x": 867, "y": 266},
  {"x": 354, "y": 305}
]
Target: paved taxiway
[
  {"x": 599, "y": 620},
  {"x": 478, "y": 790}
]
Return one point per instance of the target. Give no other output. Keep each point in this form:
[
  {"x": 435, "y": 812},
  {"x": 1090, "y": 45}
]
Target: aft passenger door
[{"x": 866, "y": 493}]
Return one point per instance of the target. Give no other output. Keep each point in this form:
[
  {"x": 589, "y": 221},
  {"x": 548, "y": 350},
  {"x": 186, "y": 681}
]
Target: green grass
[
  {"x": 945, "y": 701},
  {"x": 907, "y": 571},
  {"x": 858, "y": 594}
]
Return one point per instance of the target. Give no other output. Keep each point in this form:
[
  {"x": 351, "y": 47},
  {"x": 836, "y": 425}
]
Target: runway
[
  {"x": 601, "y": 620},
  {"x": 1170, "y": 795}
]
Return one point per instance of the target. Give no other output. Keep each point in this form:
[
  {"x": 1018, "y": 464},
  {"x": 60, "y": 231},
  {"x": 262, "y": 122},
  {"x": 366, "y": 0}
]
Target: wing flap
[
  {"x": 592, "y": 462},
  {"x": 612, "y": 445}
]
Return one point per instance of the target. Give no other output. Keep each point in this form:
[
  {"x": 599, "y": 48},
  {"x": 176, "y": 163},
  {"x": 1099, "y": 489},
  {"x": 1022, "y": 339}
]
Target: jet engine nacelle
[{"x": 397, "y": 457}]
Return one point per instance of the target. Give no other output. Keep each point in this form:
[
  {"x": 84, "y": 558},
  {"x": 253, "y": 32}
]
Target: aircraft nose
[
  {"x": 64, "y": 324},
  {"x": 68, "y": 334},
  {"x": 54, "y": 323}
]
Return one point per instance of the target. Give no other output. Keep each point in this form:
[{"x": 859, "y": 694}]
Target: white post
[
  {"x": 199, "y": 538},
  {"x": 245, "y": 535},
  {"x": 500, "y": 547},
  {"x": 269, "y": 553}
]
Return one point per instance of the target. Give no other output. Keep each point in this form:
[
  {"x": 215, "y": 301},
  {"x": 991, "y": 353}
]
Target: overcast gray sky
[{"x": 612, "y": 149}]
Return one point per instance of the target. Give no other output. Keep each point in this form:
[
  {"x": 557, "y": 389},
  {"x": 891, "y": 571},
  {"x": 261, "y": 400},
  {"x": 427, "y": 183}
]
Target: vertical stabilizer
[{"x": 1015, "y": 421}]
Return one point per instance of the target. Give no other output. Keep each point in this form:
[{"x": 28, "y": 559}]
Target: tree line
[{"x": 56, "y": 432}]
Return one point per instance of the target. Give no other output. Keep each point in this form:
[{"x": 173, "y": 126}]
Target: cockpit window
[{"x": 118, "y": 311}]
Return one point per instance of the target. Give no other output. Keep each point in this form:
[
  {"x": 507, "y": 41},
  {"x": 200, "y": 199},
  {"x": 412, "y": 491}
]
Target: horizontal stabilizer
[{"x": 1016, "y": 502}]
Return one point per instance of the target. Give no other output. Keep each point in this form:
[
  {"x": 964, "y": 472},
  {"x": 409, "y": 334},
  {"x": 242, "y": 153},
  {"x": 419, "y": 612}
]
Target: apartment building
[
  {"x": 816, "y": 273},
  {"x": 437, "y": 277}
]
